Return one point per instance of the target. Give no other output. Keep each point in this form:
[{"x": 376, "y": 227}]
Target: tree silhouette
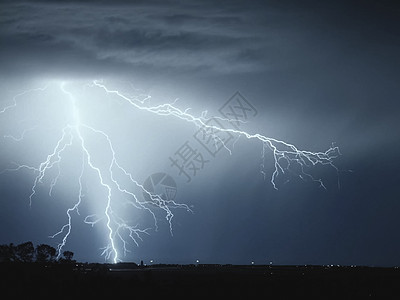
[
  {"x": 45, "y": 253},
  {"x": 27, "y": 253},
  {"x": 68, "y": 255},
  {"x": 24, "y": 252},
  {"x": 7, "y": 252}
]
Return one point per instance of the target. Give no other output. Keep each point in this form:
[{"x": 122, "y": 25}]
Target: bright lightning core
[{"x": 82, "y": 133}]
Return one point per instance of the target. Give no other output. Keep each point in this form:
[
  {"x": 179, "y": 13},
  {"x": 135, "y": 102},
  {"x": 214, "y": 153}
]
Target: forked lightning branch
[{"x": 111, "y": 175}]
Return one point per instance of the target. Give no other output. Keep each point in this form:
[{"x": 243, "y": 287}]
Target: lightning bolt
[
  {"x": 285, "y": 155},
  {"x": 288, "y": 159}
]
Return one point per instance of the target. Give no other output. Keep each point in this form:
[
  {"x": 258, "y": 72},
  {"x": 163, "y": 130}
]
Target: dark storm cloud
[
  {"x": 228, "y": 38},
  {"x": 158, "y": 41},
  {"x": 170, "y": 35}
]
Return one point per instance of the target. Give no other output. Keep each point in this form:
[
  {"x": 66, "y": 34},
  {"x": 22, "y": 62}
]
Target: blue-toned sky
[{"x": 314, "y": 73}]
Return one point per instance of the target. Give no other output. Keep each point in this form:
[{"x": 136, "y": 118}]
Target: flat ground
[{"x": 78, "y": 280}]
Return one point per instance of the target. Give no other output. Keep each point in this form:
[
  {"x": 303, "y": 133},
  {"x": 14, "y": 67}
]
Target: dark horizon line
[{"x": 136, "y": 265}]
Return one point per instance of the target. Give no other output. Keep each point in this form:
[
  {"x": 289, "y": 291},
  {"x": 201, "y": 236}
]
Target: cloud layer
[{"x": 185, "y": 36}]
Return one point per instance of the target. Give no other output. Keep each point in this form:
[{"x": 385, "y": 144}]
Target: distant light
[
  {"x": 197, "y": 261},
  {"x": 252, "y": 262},
  {"x": 151, "y": 261}
]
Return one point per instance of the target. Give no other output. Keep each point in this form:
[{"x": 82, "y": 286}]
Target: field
[{"x": 63, "y": 281}]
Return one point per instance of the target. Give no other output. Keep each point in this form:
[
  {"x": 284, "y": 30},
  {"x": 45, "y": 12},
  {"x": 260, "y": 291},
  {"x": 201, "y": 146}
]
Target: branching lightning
[
  {"x": 284, "y": 154},
  {"x": 74, "y": 134}
]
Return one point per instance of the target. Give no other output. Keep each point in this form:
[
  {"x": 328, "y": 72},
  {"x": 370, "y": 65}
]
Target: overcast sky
[{"x": 315, "y": 73}]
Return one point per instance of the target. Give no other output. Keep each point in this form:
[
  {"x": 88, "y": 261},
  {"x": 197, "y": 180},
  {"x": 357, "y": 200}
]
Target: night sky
[{"x": 312, "y": 73}]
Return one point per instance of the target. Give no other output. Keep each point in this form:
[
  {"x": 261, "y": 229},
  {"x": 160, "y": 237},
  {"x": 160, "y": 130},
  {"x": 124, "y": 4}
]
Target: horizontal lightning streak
[{"x": 281, "y": 150}]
